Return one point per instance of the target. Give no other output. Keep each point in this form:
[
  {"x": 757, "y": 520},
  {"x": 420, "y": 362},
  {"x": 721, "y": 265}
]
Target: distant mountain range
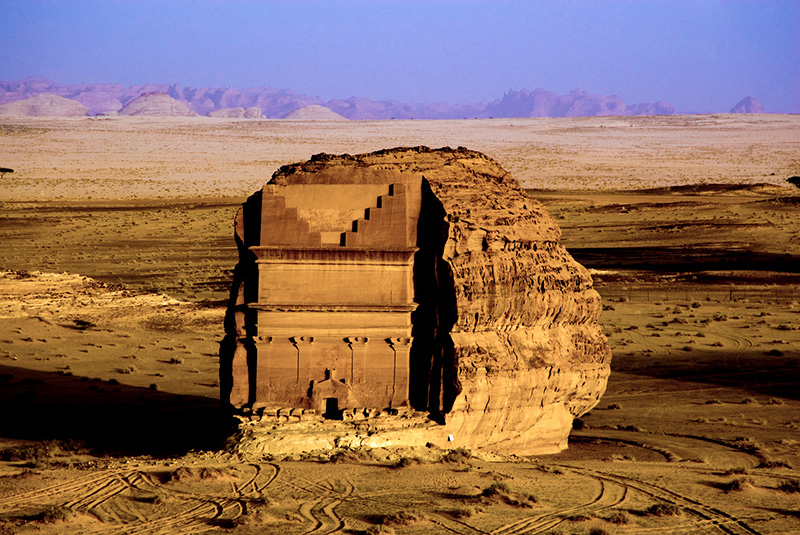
[{"x": 278, "y": 103}]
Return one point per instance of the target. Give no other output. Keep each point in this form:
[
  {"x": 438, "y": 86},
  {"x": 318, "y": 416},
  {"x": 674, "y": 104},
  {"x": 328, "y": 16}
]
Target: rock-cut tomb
[{"x": 413, "y": 282}]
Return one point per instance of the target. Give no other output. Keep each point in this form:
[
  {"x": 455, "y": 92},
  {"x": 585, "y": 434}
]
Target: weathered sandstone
[
  {"x": 156, "y": 105},
  {"x": 748, "y": 105},
  {"x": 44, "y": 105},
  {"x": 228, "y": 113},
  {"x": 237, "y": 113},
  {"x": 411, "y": 279},
  {"x": 314, "y": 112}
]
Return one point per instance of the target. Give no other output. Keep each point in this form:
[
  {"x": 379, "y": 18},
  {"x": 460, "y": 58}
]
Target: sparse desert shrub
[
  {"x": 55, "y": 513},
  {"x": 405, "y": 462},
  {"x": 619, "y": 517},
  {"x": 687, "y": 348},
  {"x": 735, "y": 471},
  {"x": 501, "y": 490},
  {"x": 696, "y": 304},
  {"x": 598, "y": 531},
  {"x": 700, "y": 335},
  {"x": 457, "y": 455},
  {"x": 774, "y": 353},
  {"x": 608, "y": 307},
  {"x": 749, "y": 401},
  {"x": 748, "y": 445},
  {"x": 498, "y": 487},
  {"x": 719, "y": 317},
  {"x": 579, "y": 518},
  {"x": 127, "y": 370},
  {"x": 578, "y": 424},
  {"x": 663, "y": 509},
  {"x": 775, "y": 401},
  {"x": 776, "y": 463},
  {"x": 153, "y": 386},
  {"x": 175, "y": 360},
  {"x": 738, "y": 485},
  {"x": 791, "y": 486},
  {"x": 784, "y": 327},
  {"x": 380, "y": 529},
  {"x": 713, "y": 402},
  {"x": 614, "y": 406},
  {"x": 466, "y": 511},
  {"x": 403, "y": 518}
]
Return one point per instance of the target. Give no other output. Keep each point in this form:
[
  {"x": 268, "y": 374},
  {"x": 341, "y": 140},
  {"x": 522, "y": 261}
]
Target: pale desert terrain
[{"x": 115, "y": 256}]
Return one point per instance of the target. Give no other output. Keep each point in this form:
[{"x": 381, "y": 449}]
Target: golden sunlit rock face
[{"x": 416, "y": 280}]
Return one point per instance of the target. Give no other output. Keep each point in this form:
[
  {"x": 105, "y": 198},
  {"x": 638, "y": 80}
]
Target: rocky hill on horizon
[{"x": 278, "y": 103}]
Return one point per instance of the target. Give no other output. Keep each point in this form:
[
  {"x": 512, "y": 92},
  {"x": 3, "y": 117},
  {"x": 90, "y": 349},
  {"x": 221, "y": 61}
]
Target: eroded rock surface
[
  {"x": 44, "y": 105},
  {"x": 454, "y": 264},
  {"x": 156, "y": 105},
  {"x": 314, "y": 112}
]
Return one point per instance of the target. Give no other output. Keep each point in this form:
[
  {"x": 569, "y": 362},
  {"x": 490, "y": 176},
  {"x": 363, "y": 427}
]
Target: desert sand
[{"x": 116, "y": 253}]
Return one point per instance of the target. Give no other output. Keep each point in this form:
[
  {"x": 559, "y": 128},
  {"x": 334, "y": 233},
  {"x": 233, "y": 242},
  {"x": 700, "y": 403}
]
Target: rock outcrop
[
  {"x": 253, "y": 112},
  {"x": 277, "y": 103},
  {"x": 237, "y": 113},
  {"x": 227, "y": 113},
  {"x": 156, "y": 105},
  {"x": 648, "y": 108},
  {"x": 44, "y": 105},
  {"x": 314, "y": 112},
  {"x": 453, "y": 286},
  {"x": 576, "y": 103},
  {"x": 748, "y": 105}
]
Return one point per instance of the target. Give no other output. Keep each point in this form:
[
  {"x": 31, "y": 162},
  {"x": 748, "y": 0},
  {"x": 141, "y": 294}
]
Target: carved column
[
  {"x": 358, "y": 346},
  {"x": 401, "y": 347},
  {"x": 259, "y": 363},
  {"x": 304, "y": 349}
]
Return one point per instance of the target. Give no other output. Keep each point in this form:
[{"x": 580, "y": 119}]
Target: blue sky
[{"x": 698, "y": 55}]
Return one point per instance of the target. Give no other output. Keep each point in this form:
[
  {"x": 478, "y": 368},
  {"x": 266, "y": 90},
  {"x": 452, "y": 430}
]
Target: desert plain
[{"x": 116, "y": 252}]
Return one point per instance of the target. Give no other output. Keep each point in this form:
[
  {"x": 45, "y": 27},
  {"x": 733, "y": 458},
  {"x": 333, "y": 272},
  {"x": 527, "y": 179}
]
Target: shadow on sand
[
  {"x": 110, "y": 418},
  {"x": 749, "y": 370}
]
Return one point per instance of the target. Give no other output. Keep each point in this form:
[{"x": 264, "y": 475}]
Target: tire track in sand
[
  {"x": 610, "y": 495},
  {"x": 320, "y": 511},
  {"x": 708, "y": 515}
]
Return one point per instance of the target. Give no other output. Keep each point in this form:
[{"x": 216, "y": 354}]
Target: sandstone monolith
[
  {"x": 416, "y": 282},
  {"x": 156, "y": 104},
  {"x": 44, "y": 105}
]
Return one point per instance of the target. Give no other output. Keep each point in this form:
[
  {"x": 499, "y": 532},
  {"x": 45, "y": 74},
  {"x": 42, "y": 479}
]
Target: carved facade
[
  {"x": 334, "y": 294},
  {"x": 412, "y": 278}
]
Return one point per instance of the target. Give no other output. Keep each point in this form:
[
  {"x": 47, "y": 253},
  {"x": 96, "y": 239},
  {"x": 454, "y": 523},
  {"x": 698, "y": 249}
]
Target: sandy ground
[
  {"x": 111, "y": 292},
  {"x": 134, "y": 157}
]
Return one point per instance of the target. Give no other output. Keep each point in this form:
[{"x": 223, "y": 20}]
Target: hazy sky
[{"x": 698, "y": 55}]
